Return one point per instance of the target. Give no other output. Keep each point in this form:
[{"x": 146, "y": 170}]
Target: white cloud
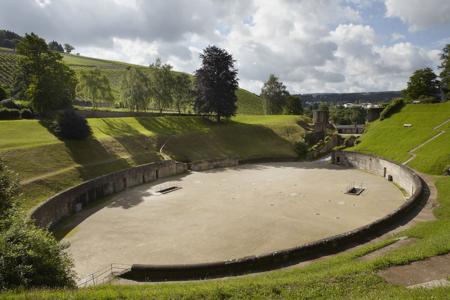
[
  {"x": 420, "y": 14},
  {"x": 313, "y": 46}
]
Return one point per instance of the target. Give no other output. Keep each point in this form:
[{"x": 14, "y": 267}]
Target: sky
[{"x": 313, "y": 46}]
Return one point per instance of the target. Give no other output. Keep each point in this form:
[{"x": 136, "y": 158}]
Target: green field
[
  {"x": 46, "y": 165},
  {"x": 343, "y": 276},
  {"x": 248, "y": 103}
]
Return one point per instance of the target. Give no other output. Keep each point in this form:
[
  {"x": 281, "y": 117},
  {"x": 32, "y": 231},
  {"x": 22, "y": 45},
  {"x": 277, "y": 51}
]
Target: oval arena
[{"x": 234, "y": 214}]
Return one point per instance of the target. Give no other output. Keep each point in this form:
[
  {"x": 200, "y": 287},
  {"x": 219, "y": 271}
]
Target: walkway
[{"x": 411, "y": 152}]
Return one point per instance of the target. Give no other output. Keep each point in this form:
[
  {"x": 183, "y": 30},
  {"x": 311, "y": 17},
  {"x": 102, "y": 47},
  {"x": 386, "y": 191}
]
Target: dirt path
[
  {"x": 430, "y": 272},
  {"x": 411, "y": 152}
]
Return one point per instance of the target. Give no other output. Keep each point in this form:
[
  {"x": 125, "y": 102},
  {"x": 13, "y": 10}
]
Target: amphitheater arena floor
[{"x": 227, "y": 213}]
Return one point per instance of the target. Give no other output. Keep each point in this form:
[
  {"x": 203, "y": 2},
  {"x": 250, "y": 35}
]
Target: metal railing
[{"x": 103, "y": 276}]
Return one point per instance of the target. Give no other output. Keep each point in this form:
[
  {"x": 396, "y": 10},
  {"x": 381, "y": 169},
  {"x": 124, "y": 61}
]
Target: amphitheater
[{"x": 171, "y": 221}]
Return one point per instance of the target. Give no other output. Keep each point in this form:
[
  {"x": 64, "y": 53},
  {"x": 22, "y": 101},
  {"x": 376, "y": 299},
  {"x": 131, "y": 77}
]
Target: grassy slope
[
  {"x": 342, "y": 276},
  {"x": 248, "y": 103},
  {"x": 47, "y": 165},
  {"x": 388, "y": 138}
]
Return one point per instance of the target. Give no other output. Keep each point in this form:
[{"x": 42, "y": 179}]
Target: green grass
[
  {"x": 248, "y": 103},
  {"x": 46, "y": 165},
  {"x": 343, "y": 276},
  {"x": 389, "y": 139}
]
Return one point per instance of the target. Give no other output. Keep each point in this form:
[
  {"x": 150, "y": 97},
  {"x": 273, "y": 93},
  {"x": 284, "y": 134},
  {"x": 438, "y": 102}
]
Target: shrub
[
  {"x": 72, "y": 126},
  {"x": 8, "y": 103},
  {"x": 30, "y": 256},
  {"x": 301, "y": 149},
  {"x": 428, "y": 99},
  {"x": 26, "y": 114},
  {"x": 3, "y": 93},
  {"x": 393, "y": 107},
  {"x": 9, "y": 114}
]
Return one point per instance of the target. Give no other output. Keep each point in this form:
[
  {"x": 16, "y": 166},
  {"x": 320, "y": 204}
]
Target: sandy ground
[{"x": 226, "y": 213}]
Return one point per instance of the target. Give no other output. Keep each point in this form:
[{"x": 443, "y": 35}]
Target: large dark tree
[
  {"x": 217, "y": 83},
  {"x": 275, "y": 95},
  {"x": 293, "y": 105},
  {"x": 43, "y": 78},
  {"x": 9, "y": 39},
  {"x": 423, "y": 83},
  {"x": 55, "y": 46},
  {"x": 69, "y": 48},
  {"x": 445, "y": 71}
]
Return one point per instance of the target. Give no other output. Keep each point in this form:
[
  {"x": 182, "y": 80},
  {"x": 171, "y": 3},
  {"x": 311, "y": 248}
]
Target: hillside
[
  {"x": 340, "y": 98},
  {"x": 248, "y": 103},
  {"x": 46, "y": 165},
  {"x": 390, "y": 139}
]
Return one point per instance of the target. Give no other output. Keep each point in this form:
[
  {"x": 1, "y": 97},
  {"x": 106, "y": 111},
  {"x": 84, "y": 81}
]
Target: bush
[
  {"x": 9, "y": 114},
  {"x": 72, "y": 126},
  {"x": 393, "y": 107},
  {"x": 301, "y": 149},
  {"x": 30, "y": 256},
  {"x": 8, "y": 103},
  {"x": 3, "y": 93},
  {"x": 428, "y": 99},
  {"x": 26, "y": 114}
]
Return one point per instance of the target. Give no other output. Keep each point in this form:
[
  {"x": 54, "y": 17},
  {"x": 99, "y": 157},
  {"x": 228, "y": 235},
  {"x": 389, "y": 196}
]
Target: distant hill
[
  {"x": 370, "y": 97},
  {"x": 248, "y": 103}
]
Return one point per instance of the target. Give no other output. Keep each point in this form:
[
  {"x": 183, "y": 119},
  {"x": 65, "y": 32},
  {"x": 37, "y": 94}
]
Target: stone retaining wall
[
  {"x": 74, "y": 199},
  {"x": 401, "y": 175},
  {"x": 213, "y": 164}
]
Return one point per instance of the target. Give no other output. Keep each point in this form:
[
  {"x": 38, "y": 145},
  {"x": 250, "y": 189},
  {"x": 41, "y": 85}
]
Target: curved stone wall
[
  {"x": 74, "y": 199},
  {"x": 402, "y": 176}
]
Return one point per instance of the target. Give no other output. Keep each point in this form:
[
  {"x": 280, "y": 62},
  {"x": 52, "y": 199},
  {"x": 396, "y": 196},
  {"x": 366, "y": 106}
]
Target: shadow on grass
[
  {"x": 131, "y": 198},
  {"x": 90, "y": 154}
]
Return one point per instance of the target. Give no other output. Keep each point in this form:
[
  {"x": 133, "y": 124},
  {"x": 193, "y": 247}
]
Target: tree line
[
  {"x": 425, "y": 85},
  {"x": 51, "y": 86}
]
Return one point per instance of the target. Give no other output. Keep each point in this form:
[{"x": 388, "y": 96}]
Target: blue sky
[{"x": 311, "y": 45}]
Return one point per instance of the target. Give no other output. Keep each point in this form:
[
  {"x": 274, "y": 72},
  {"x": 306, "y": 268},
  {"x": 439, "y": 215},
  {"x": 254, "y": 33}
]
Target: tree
[
  {"x": 162, "y": 85},
  {"x": 55, "y": 46},
  {"x": 94, "y": 86},
  {"x": 43, "y": 78},
  {"x": 445, "y": 71},
  {"x": 183, "y": 92},
  {"x": 274, "y": 94},
  {"x": 423, "y": 83},
  {"x": 9, "y": 39},
  {"x": 216, "y": 83},
  {"x": 69, "y": 48},
  {"x": 135, "y": 89},
  {"x": 29, "y": 256},
  {"x": 293, "y": 105}
]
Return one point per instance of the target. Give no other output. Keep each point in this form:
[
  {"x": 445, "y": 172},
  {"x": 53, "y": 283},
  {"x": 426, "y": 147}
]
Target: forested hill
[{"x": 370, "y": 97}]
